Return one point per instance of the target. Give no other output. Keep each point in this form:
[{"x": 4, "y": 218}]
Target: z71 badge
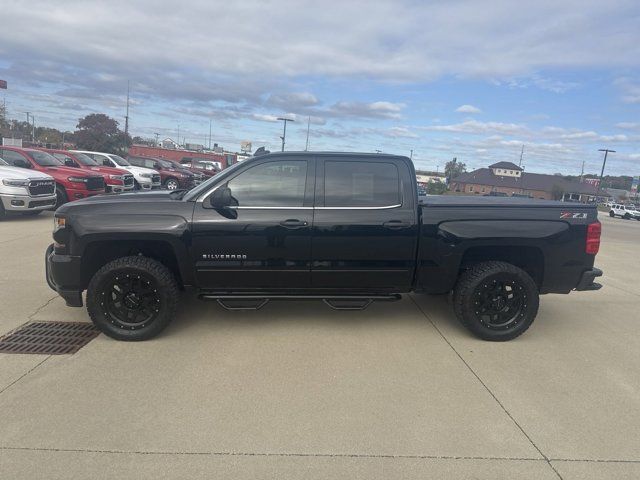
[{"x": 573, "y": 215}]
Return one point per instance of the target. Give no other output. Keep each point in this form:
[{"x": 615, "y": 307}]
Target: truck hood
[
  {"x": 122, "y": 204},
  {"x": 15, "y": 173},
  {"x": 69, "y": 171},
  {"x": 139, "y": 170},
  {"x": 107, "y": 170}
]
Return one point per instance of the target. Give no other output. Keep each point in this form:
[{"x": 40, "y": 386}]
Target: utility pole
[
  {"x": 582, "y": 171},
  {"x": 306, "y": 148},
  {"x": 604, "y": 162},
  {"x": 126, "y": 119},
  {"x": 284, "y": 131},
  {"x": 33, "y": 128},
  {"x": 521, "y": 154},
  {"x": 157, "y": 139},
  {"x": 178, "y": 134},
  {"x": 28, "y": 121},
  {"x": 411, "y": 156},
  {"x": 209, "y": 134}
]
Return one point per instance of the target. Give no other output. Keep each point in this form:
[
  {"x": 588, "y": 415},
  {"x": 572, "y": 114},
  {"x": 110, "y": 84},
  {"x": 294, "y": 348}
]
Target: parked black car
[{"x": 346, "y": 228}]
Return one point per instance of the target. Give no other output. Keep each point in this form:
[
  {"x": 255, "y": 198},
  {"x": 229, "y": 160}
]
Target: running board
[{"x": 256, "y": 302}]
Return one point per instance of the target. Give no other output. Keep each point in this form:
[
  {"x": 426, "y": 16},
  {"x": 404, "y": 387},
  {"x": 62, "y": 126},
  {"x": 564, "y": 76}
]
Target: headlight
[
  {"x": 78, "y": 179},
  {"x": 146, "y": 175},
  {"x": 116, "y": 177},
  {"x": 16, "y": 183}
]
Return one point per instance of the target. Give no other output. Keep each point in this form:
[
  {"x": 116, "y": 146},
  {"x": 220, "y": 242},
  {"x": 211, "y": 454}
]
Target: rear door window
[{"x": 361, "y": 184}]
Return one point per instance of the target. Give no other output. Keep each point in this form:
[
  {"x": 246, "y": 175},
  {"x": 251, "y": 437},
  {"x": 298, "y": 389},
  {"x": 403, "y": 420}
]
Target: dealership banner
[{"x": 634, "y": 184}]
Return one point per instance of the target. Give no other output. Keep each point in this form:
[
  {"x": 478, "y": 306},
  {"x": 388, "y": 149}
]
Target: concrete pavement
[{"x": 299, "y": 390}]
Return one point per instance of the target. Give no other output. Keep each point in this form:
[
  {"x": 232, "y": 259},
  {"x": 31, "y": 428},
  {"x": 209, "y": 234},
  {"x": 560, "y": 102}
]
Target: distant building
[{"x": 506, "y": 178}]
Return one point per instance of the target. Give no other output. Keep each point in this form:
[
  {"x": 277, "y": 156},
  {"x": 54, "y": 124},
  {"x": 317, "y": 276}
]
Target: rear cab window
[{"x": 361, "y": 184}]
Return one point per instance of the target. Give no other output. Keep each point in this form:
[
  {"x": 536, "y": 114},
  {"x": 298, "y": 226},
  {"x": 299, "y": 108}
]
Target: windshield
[
  {"x": 203, "y": 165},
  {"x": 165, "y": 164},
  {"x": 85, "y": 160},
  {"x": 120, "y": 161},
  {"x": 205, "y": 186},
  {"x": 44, "y": 159}
]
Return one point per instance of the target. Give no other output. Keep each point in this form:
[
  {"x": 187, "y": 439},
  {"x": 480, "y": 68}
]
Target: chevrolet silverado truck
[
  {"x": 346, "y": 228},
  {"x": 26, "y": 192}
]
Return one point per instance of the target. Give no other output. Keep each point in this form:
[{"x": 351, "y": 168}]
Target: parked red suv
[
  {"x": 71, "y": 183},
  {"x": 116, "y": 180}
]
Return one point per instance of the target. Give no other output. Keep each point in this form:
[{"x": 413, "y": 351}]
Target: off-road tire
[
  {"x": 479, "y": 275},
  {"x": 627, "y": 216},
  {"x": 164, "y": 284},
  {"x": 612, "y": 215}
]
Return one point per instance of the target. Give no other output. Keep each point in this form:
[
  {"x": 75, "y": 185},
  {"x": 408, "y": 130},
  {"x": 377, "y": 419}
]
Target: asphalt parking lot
[{"x": 297, "y": 390}]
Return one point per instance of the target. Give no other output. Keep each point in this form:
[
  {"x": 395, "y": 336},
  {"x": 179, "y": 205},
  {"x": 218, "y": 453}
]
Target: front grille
[
  {"x": 128, "y": 180},
  {"x": 42, "y": 203},
  {"x": 95, "y": 183},
  {"x": 42, "y": 187},
  {"x": 155, "y": 179}
]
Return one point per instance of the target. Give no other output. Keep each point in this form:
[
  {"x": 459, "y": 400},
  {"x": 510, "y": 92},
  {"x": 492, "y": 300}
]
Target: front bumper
[
  {"x": 587, "y": 280},
  {"x": 118, "y": 188},
  {"x": 63, "y": 274},
  {"x": 27, "y": 203}
]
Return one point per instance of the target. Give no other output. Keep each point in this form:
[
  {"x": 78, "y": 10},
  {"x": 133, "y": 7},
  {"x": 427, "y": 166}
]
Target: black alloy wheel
[
  {"x": 611, "y": 214},
  {"x": 496, "y": 300},
  {"x": 132, "y": 298},
  {"x": 501, "y": 302}
]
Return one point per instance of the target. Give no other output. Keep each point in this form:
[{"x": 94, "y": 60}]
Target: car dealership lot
[{"x": 299, "y": 390}]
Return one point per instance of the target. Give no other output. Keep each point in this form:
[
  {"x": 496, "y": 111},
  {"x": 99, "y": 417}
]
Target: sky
[{"x": 475, "y": 80}]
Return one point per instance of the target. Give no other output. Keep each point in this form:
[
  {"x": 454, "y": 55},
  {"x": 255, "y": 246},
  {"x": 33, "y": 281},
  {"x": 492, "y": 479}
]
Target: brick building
[{"x": 510, "y": 179}]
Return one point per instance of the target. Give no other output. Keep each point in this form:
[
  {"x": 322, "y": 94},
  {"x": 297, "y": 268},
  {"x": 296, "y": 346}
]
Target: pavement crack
[
  {"x": 41, "y": 307},
  {"x": 23, "y": 375},
  {"x": 486, "y": 387}
]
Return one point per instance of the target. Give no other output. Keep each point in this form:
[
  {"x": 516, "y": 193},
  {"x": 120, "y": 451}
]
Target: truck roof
[{"x": 335, "y": 154}]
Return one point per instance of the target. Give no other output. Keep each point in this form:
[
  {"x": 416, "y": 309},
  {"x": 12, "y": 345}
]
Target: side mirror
[
  {"x": 222, "y": 198},
  {"x": 157, "y": 166},
  {"x": 70, "y": 163},
  {"x": 106, "y": 163}
]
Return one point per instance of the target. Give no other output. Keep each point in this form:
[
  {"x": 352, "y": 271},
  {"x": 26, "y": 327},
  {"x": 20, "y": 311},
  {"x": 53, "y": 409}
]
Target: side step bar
[{"x": 256, "y": 302}]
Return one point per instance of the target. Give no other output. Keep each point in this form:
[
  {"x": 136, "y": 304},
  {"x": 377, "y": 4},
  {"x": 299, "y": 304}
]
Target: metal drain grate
[{"x": 48, "y": 338}]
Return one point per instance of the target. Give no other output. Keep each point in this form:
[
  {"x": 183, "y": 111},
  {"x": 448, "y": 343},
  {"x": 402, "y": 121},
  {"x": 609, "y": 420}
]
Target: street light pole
[
  {"x": 284, "y": 131},
  {"x": 604, "y": 162}
]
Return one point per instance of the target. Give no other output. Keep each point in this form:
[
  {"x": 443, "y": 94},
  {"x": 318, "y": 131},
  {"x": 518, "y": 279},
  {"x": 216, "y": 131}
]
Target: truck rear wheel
[
  {"x": 496, "y": 301},
  {"x": 132, "y": 298}
]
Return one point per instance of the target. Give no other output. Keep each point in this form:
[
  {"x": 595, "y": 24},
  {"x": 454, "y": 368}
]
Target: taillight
[{"x": 593, "y": 238}]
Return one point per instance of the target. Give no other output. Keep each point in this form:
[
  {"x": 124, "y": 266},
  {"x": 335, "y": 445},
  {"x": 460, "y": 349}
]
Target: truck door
[
  {"x": 365, "y": 224},
  {"x": 263, "y": 241}
]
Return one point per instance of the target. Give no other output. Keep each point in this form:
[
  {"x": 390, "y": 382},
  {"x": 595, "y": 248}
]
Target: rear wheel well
[
  {"x": 529, "y": 259},
  {"x": 98, "y": 254}
]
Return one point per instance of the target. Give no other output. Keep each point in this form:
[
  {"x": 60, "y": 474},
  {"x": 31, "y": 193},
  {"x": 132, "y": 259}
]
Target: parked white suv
[
  {"x": 624, "y": 211},
  {"x": 145, "y": 178},
  {"x": 25, "y": 191}
]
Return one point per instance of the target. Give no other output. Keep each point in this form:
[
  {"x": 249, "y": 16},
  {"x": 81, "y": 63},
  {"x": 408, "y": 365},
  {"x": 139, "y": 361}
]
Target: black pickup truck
[{"x": 347, "y": 228}]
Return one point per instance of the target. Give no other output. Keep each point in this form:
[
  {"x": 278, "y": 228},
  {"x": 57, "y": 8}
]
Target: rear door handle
[
  {"x": 396, "y": 224},
  {"x": 293, "y": 223}
]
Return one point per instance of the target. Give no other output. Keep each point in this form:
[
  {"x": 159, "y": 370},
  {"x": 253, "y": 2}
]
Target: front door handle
[
  {"x": 396, "y": 224},
  {"x": 293, "y": 223}
]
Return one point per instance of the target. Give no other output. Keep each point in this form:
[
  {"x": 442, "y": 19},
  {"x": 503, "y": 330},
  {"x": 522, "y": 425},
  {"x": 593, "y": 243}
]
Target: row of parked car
[{"x": 36, "y": 179}]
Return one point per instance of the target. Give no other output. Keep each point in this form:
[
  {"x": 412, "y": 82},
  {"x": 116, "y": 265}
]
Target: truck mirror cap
[
  {"x": 106, "y": 163},
  {"x": 222, "y": 198},
  {"x": 69, "y": 163}
]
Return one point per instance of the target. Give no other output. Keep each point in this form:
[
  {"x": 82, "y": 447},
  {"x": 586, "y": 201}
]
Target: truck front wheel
[
  {"x": 496, "y": 301},
  {"x": 132, "y": 298}
]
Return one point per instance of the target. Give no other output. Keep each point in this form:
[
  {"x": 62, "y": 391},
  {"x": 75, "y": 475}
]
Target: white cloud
[
  {"x": 477, "y": 127},
  {"x": 265, "y": 118},
  {"x": 401, "y": 132},
  {"x": 628, "y": 125},
  {"x": 367, "y": 110},
  {"x": 468, "y": 109}
]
